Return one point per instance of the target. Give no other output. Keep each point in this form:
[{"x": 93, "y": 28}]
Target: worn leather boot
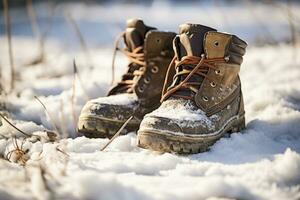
[
  {"x": 149, "y": 52},
  {"x": 205, "y": 100}
]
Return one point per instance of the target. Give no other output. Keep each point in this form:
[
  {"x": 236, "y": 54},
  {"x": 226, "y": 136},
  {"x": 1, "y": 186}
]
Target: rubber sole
[
  {"x": 103, "y": 128},
  {"x": 183, "y": 144}
]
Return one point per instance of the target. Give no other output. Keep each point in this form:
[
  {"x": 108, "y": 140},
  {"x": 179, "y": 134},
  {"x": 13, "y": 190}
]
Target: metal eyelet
[
  {"x": 218, "y": 71},
  {"x": 205, "y": 98},
  {"x": 154, "y": 69},
  {"x": 213, "y": 84},
  {"x": 140, "y": 89},
  {"x": 227, "y": 58},
  {"x": 147, "y": 80},
  {"x": 216, "y": 43}
]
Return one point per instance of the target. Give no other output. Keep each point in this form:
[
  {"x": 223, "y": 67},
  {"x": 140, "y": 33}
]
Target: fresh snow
[
  {"x": 261, "y": 162},
  {"x": 121, "y": 99},
  {"x": 181, "y": 111}
]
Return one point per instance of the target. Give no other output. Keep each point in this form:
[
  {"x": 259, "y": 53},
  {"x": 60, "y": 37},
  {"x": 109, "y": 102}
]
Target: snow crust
[
  {"x": 121, "y": 99},
  {"x": 261, "y": 162},
  {"x": 182, "y": 112}
]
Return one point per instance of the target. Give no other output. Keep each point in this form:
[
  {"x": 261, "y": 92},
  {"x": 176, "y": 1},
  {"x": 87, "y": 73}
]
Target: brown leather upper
[
  {"x": 222, "y": 84},
  {"x": 149, "y": 52},
  {"x": 217, "y": 58},
  {"x": 134, "y": 37},
  {"x": 158, "y": 54}
]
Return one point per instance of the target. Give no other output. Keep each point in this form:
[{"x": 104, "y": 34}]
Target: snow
[
  {"x": 121, "y": 99},
  {"x": 261, "y": 162},
  {"x": 182, "y": 112}
]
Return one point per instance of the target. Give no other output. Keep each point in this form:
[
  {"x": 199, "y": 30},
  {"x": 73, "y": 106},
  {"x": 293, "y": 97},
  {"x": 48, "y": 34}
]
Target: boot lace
[
  {"x": 194, "y": 66},
  {"x": 136, "y": 66}
]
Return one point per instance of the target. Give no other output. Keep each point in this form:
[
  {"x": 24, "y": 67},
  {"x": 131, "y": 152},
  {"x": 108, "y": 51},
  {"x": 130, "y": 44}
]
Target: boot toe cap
[
  {"x": 178, "y": 117},
  {"x": 116, "y": 107}
]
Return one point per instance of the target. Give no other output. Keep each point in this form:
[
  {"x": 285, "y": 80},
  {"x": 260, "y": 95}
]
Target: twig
[
  {"x": 51, "y": 119},
  {"x": 10, "y": 48},
  {"x": 78, "y": 33},
  {"x": 61, "y": 151},
  {"x": 26, "y": 134},
  {"x": 73, "y": 96},
  {"x": 37, "y": 33},
  {"x": 117, "y": 133},
  {"x": 77, "y": 75},
  {"x": 62, "y": 120}
]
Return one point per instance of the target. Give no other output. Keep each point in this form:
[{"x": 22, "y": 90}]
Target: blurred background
[{"x": 97, "y": 22}]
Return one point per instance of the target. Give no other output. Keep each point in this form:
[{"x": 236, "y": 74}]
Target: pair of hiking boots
[{"x": 183, "y": 91}]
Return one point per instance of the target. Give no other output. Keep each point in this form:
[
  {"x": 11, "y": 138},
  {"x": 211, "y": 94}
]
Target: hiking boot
[
  {"x": 149, "y": 52},
  {"x": 205, "y": 100}
]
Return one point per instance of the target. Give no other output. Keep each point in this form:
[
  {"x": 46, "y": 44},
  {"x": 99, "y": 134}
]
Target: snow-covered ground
[{"x": 262, "y": 162}]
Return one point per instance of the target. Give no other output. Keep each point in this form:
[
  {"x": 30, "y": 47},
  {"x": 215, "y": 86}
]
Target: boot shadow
[{"x": 260, "y": 140}]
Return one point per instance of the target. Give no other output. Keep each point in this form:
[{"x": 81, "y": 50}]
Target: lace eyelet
[
  {"x": 205, "y": 98},
  {"x": 147, "y": 80},
  {"x": 213, "y": 84},
  {"x": 216, "y": 43},
  {"x": 218, "y": 71},
  {"x": 154, "y": 69},
  {"x": 140, "y": 89},
  {"x": 227, "y": 58}
]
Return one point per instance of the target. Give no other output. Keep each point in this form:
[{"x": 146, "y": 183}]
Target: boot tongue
[
  {"x": 190, "y": 43},
  {"x": 135, "y": 33},
  {"x": 191, "y": 39}
]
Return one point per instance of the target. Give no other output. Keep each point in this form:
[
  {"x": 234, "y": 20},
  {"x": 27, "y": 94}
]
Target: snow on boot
[
  {"x": 205, "y": 100},
  {"x": 149, "y": 52}
]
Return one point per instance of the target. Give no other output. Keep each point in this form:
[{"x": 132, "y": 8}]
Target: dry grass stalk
[
  {"x": 37, "y": 33},
  {"x": 11, "y": 124},
  {"x": 10, "y": 48},
  {"x": 117, "y": 133},
  {"x": 20, "y": 156},
  {"x": 50, "y": 117},
  {"x": 79, "y": 35},
  {"x": 63, "y": 152},
  {"x": 62, "y": 120},
  {"x": 74, "y": 96}
]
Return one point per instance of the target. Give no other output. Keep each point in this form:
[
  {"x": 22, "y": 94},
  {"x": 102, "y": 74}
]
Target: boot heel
[{"x": 238, "y": 125}]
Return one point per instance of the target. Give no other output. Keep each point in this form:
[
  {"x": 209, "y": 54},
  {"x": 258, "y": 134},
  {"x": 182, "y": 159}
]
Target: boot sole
[
  {"x": 93, "y": 127},
  {"x": 174, "y": 143}
]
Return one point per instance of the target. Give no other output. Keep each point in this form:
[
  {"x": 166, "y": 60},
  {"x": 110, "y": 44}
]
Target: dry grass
[
  {"x": 9, "y": 41},
  {"x": 49, "y": 115},
  {"x": 18, "y": 154},
  {"x": 12, "y": 125},
  {"x": 117, "y": 133}
]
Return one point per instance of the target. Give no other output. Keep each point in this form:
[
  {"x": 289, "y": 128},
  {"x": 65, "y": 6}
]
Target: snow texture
[
  {"x": 182, "y": 112},
  {"x": 121, "y": 99},
  {"x": 261, "y": 162}
]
